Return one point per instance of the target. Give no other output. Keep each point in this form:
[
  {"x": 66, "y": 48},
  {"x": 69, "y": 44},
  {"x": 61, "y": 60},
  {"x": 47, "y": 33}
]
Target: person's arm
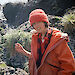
[
  {"x": 66, "y": 59},
  {"x": 20, "y": 49}
]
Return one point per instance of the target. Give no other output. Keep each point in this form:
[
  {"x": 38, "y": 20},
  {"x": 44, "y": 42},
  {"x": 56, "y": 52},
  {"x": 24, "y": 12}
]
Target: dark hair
[{"x": 46, "y": 24}]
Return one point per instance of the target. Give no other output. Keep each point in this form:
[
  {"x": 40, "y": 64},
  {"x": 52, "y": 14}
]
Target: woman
[{"x": 50, "y": 54}]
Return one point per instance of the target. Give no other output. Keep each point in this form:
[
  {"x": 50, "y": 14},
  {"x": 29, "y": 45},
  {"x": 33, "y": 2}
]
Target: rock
[
  {"x": 12, "y": 71},
  {"x": 17, "y": 14},
  {"x": 0, "y": 6},
  {"x": 15, "y": 62},
  {"x": 65, "y": 4},
  {"x": 25, "y": 26},
  {"x": 3, "y": 27}
]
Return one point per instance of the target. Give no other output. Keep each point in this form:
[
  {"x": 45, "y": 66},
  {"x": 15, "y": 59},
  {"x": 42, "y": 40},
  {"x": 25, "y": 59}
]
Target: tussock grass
[
  {"x": 16, "y": 36},
  {"x": 68, "y": 21}
]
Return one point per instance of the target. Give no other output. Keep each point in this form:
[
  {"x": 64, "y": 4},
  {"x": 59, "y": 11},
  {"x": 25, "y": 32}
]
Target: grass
[
  {"x": 16, "y": 36},
  {"x": 3, "y": 65},
  {"x": 68, "y": 21}
]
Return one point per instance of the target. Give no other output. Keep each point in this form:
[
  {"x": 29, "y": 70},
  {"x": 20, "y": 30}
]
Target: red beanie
[{"x": 38, "y": 15}]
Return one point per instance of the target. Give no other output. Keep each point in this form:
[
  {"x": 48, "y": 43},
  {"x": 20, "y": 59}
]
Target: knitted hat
[{"x": 38, "y": 15}]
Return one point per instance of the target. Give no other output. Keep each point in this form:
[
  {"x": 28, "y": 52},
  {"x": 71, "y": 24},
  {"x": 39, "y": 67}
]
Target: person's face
[{"x": 39, "y": 27}]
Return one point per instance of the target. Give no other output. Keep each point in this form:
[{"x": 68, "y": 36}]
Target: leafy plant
[
  {"x": 2, "y": 65},
  {"x": 68, "y": 21},
  {"x": 1, "y": 28},
  {"x": 16, "y": 36}
]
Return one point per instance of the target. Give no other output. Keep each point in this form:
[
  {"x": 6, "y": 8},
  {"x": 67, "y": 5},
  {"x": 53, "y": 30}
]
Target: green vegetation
[
  {"x": 1, "y": 28},
  {"x": 68, "y": 21},
  {"x": 3, "y": 65},
  {"x": 16, "y": 36}
]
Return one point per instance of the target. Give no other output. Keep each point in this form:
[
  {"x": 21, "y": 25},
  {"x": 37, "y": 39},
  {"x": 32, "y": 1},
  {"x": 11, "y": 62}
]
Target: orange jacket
[{"x": 57, "y": 59}]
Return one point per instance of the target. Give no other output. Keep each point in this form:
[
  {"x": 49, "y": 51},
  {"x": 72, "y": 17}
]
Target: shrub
[
  {"x": 16, "y": 36},
  {"x": 3, "y": 65},
  {"x": 68, "y": 21}
]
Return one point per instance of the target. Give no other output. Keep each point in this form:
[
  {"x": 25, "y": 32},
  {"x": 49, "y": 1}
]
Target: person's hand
[{"x": 19, "y": 48}]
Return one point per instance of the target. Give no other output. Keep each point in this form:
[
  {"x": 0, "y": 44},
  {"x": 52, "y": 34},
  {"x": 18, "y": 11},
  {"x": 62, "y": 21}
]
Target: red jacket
[{"x": 57, "y": 59}]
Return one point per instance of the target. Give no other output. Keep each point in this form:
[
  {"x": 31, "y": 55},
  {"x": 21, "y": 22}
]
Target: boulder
[{"x": 18, "y": 13}]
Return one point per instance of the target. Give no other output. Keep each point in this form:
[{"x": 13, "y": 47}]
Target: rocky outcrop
[
  {"x": 65, "y": 4},
  {"x": 0, "y": 6},
  {"x": 10, "y": 11},
  {"x": 3, "y": 27},
  {"x": 17, "y": 14},
  {"x": 12, "y": 71}
]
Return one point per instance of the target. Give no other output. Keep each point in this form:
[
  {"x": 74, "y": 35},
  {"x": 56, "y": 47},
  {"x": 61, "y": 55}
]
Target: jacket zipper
[{"x": 50, "y": 51}]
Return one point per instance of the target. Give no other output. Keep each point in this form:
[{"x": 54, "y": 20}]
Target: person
[{"x": 50, "y": 53}]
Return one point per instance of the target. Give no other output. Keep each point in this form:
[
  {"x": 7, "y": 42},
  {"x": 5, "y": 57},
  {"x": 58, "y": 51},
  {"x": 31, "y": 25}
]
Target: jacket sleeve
[
  {"x": 31, "y": 66},
  {"x": 66, "y": 59}
]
